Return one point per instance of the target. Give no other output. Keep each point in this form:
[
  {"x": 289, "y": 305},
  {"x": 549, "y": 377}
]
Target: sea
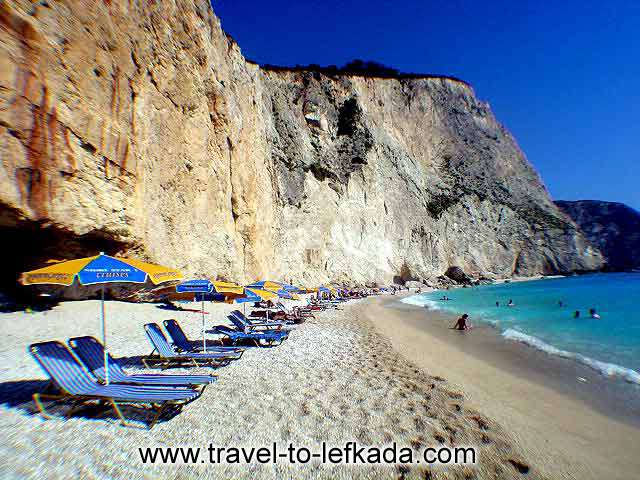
[{"x": 610, "y": 344}]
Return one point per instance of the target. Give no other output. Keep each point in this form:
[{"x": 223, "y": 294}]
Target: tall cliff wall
[{"x": 140, "y": 126}]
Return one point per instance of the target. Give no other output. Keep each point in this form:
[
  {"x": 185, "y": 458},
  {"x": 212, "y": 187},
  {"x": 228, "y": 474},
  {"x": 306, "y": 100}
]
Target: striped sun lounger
[
  {"x": 91, "y": 352},
  {"x": 268, "y": 338},
  {"x": 257, "y": 324},
  {"x": 182, "y": 344},
  {"x": 164, "y": 356},
  {"x": 79, "y": 387}
]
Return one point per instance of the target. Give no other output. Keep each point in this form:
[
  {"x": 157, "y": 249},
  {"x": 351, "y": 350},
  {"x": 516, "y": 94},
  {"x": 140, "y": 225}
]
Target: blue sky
[{"x": 564, "y": 77}]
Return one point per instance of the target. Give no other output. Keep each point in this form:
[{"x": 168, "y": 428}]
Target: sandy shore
[
  {"x": 336, "y": 379},
  {"x": 558, "y": 422}
]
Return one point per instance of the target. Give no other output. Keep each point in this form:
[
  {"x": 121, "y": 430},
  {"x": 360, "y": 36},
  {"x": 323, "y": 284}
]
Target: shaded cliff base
[{"x": 27, "y": 245}]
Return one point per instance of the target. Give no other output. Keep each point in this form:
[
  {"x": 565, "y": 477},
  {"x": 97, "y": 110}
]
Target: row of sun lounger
[{"x": 77, "y": 370}]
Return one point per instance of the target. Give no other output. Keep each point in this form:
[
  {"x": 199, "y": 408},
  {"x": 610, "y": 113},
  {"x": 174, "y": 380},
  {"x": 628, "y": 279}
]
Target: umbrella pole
[
  {"x": 104, "y": 338},
  {"x": 204, "y": 342}
]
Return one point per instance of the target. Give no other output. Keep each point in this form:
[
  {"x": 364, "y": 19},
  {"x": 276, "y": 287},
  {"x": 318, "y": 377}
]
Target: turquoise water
[{"x": 610, "y": 344}]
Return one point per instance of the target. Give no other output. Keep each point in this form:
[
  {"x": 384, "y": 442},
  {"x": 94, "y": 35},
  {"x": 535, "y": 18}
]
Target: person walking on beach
[{"x": 462, "y": 324}]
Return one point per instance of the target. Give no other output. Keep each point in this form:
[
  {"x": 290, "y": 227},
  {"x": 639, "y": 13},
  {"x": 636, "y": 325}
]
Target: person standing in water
[
  {"x": 497, "y": 304},
  {"x": 511, "y": 304},
  {"x": 576, "y": 314},
  {"x": 560, "y": 303},
  {"x": 462, "y": 324},
  {"x": 593, "y": 314}
]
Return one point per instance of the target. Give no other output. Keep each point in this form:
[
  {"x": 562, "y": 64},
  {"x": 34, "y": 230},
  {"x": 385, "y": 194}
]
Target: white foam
[
  {"x": 608, "y": 369},
  {"x": 420, "y": 301},
  {"x": 414, "y": 300}
]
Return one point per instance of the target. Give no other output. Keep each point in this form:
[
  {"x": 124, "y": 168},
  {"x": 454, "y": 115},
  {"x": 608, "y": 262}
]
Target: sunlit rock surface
[{"x": 143, "y": 124}]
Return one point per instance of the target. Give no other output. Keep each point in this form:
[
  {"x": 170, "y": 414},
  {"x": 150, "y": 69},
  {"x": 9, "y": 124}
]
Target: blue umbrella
[
  {"x": 100, "y": 269},
  {"x": 196, "y": 287}
]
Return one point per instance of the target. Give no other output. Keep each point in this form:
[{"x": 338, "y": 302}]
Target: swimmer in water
[
  {"x": 576, "y": 314},
  {"x": 593, "y": 314},
  {"x": 511, "y": 304},
  {"x": 560, "y": 304},
  {"x": 462, "y": 324}
]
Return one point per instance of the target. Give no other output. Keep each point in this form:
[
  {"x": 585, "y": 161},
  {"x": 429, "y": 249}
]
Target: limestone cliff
[
  {"x": 613, "y": 228},
  {"x": 140, "y": 127}
]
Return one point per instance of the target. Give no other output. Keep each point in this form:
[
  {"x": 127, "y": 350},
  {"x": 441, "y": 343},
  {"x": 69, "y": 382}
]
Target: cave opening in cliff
[{"x": 28, "y": 244}]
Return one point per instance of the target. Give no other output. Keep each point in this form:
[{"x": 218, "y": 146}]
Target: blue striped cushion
[
  {"x": 91, "y": 352},
  {"x": 180, "y": 339},
  {"x": 64, "y": 369},
  {"x": 177, "y": 334},
  {"x": 159, "y": 341},
  {"x": 165, "y": 350}
]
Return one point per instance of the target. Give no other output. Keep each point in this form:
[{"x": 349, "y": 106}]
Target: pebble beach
[{"x": 336, "y": 379}]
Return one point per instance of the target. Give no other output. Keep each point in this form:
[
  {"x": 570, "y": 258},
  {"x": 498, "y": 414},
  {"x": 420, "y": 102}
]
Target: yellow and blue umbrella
[
  {"x": 257, "y": 295},
  {"x": 283, "y": 290},
  {"x": 228, "y": 289},
  {"x": 100, "y": 269},
  {"x": 232, "y": 292}
]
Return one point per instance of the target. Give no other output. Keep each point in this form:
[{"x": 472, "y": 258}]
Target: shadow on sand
[{"x": 18, "y": 395}]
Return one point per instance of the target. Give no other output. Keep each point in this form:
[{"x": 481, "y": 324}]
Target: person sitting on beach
[
  {"x": 593, "y": 314},
  {"x": 461, "y": 323},
  {"x": 511, "y": 304},
  {"x": 576, "y": 314}
]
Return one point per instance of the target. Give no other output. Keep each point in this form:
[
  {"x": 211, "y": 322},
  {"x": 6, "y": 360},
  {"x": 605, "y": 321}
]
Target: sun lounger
[
  {"x": 182, "y": 344},
  {"x": 164, "y": 356},
  {"x": 297, "y": 311},
  {"x": 91, "y": 352},
  {"x": 255, "y": 324},
  {"x": 78, "y": 387},
  {"x": 261, "y": 338}
]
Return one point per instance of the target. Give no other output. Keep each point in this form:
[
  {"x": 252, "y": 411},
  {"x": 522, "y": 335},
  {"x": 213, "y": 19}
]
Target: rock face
[
  {"x": 458, "y": 275},
  {"x": 140, "y": 126},
  {"x": 613, "y": 228}
]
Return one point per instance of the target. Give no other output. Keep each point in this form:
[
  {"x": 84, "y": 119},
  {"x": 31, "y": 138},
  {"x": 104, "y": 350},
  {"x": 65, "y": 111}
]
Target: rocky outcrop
[
  {"x": 457, "y": 274},
  {"x": 141, "y": 124},
  {"x": 613, "y": 228}
]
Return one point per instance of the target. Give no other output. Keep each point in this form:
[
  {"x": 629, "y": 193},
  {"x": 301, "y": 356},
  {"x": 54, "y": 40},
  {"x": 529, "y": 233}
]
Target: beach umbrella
[
  {"x": 197, "y": 286},
  {"x": 291, "y": 288},
  {"x": 283, "y": 290},
  {"x": 229, "y": 289},
  {"x": 322, "y": 289},
  {"x": 100, "y": 270},
  {"x": 256, "y": 295},
  {"x": 266, "y": 285},
  {"x": 230, "y": 292}
]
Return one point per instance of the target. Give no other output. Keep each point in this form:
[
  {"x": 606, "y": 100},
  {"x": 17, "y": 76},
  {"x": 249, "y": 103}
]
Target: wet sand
[{"x": 567, "y": 427}]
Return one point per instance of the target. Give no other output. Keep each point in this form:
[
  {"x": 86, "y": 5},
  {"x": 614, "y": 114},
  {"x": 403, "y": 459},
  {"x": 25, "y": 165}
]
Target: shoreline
[{"x": 556, "y": 418}]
